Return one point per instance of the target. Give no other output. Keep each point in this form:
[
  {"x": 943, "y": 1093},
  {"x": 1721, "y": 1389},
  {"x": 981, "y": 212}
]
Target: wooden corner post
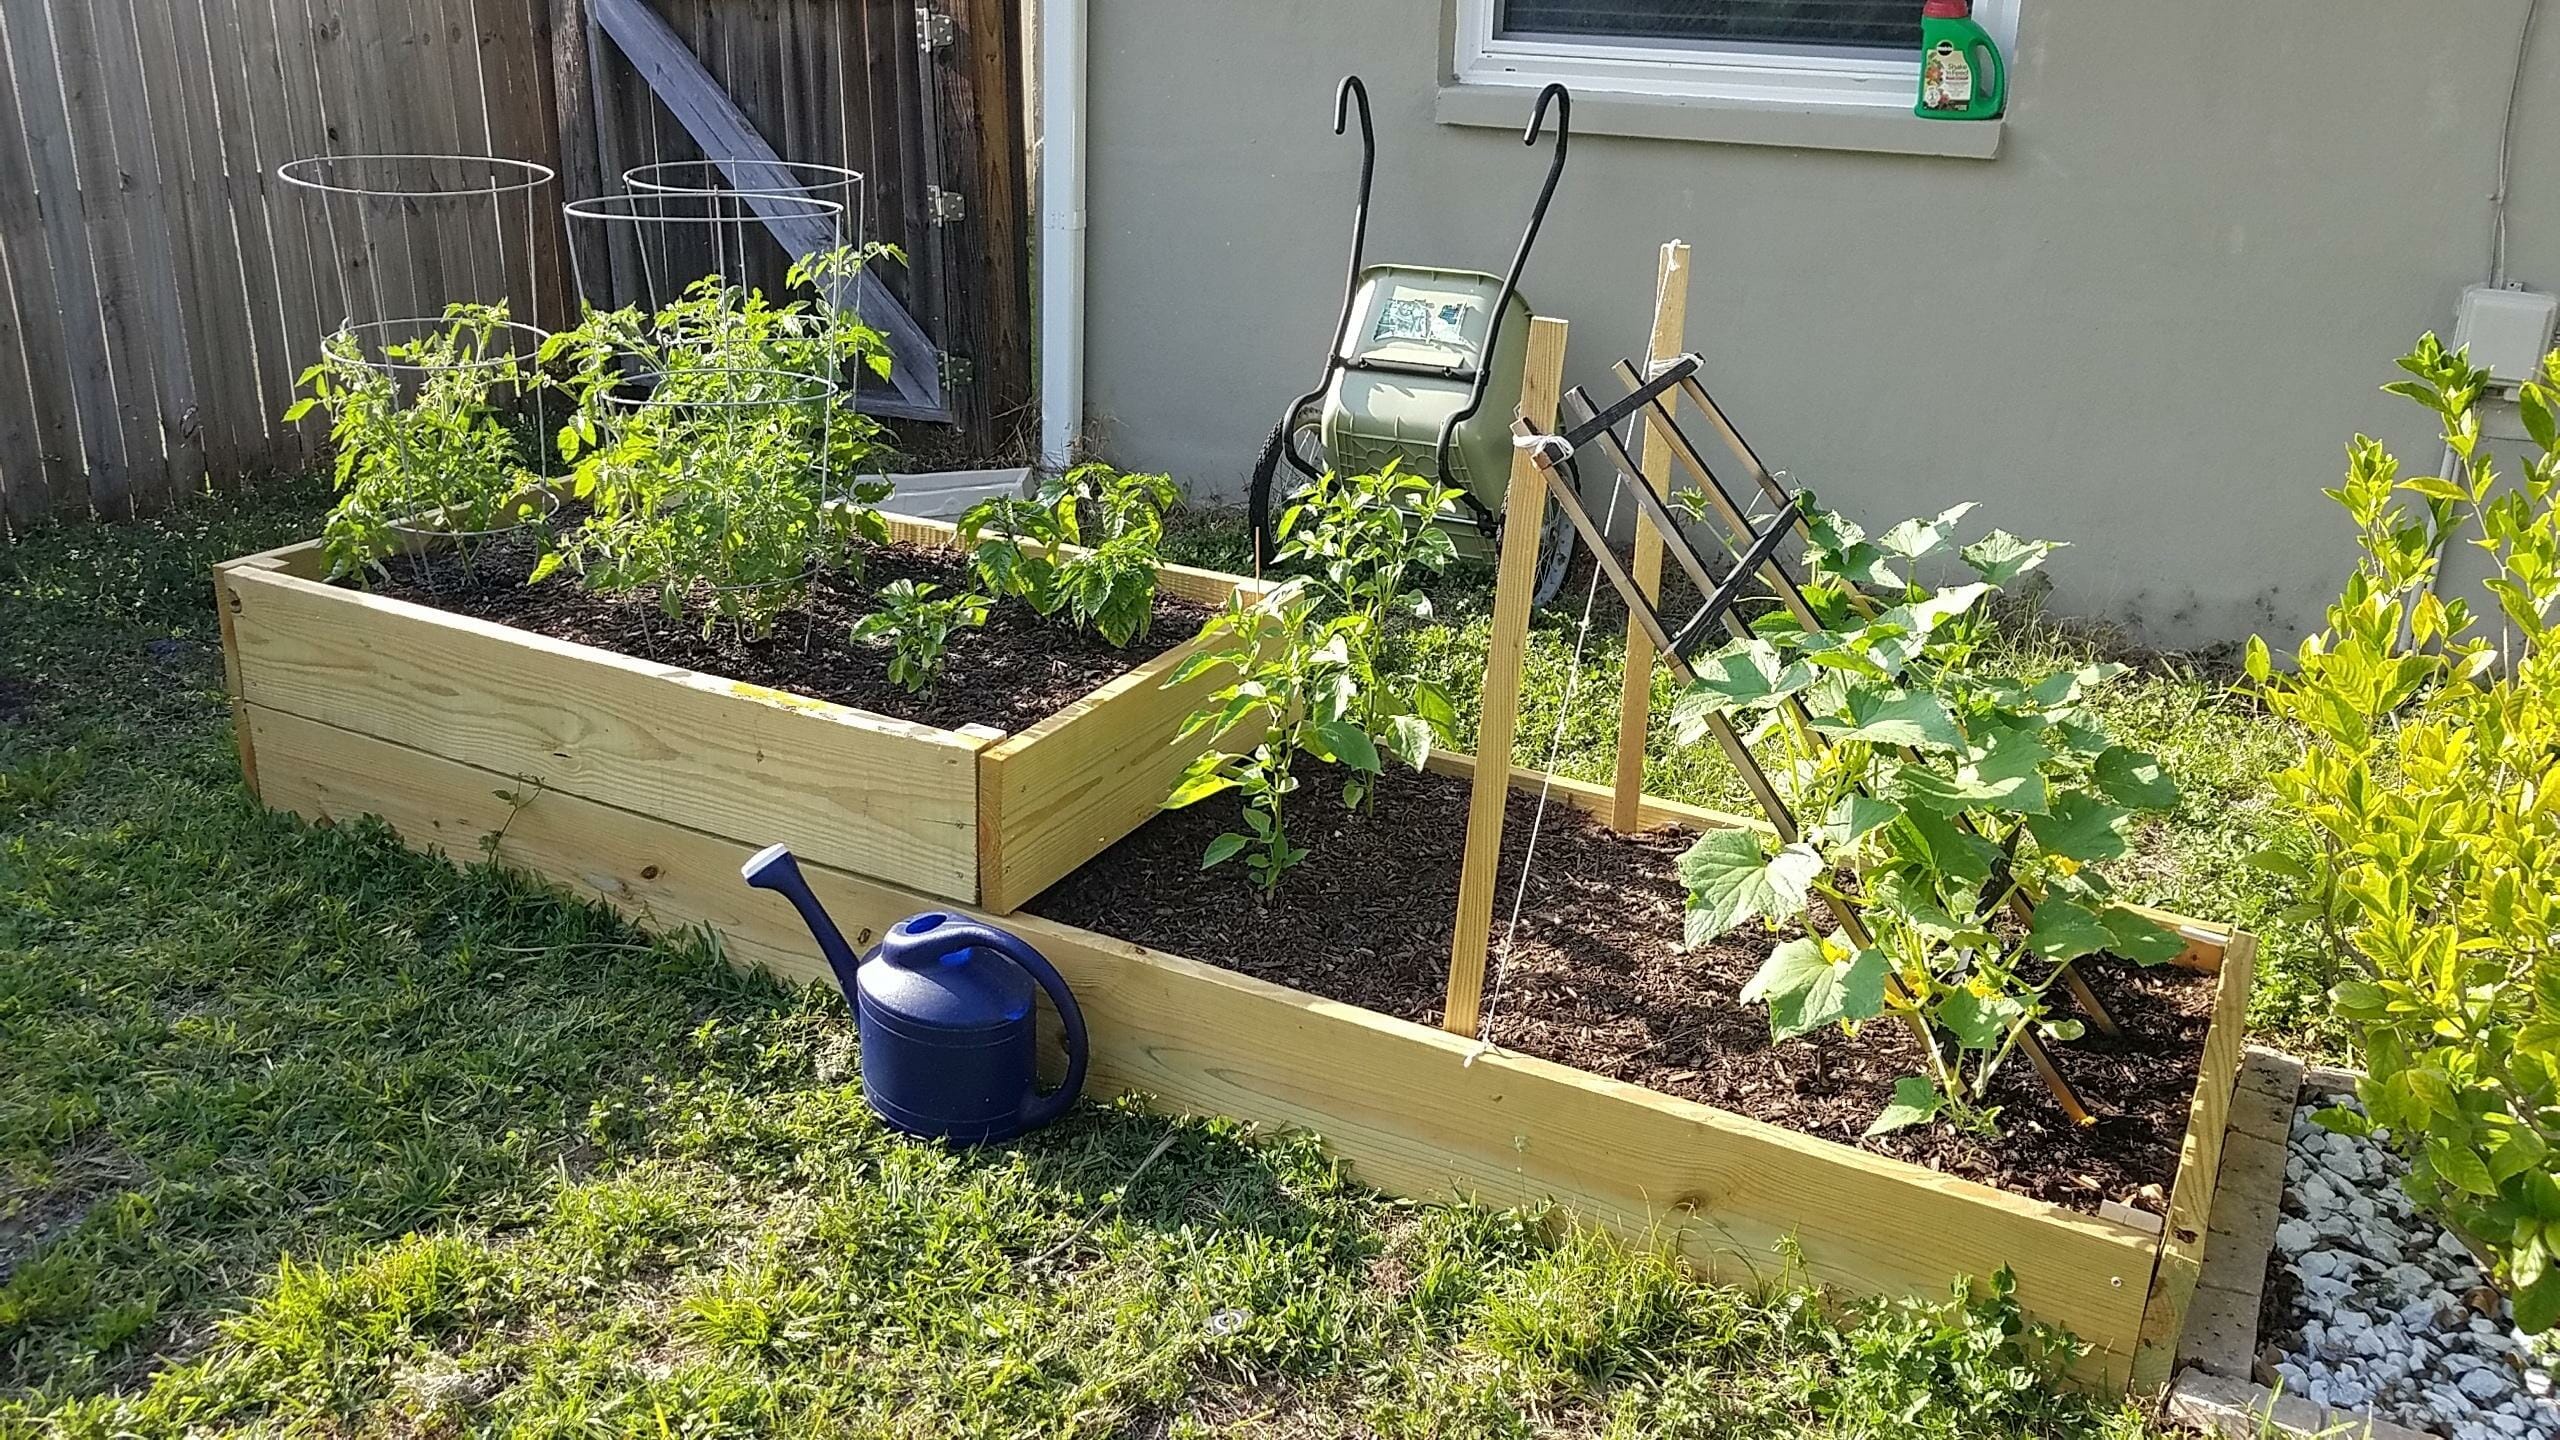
[
  {"x": 1523, "y": 507},
  {"x": 1635, "y": 689}
]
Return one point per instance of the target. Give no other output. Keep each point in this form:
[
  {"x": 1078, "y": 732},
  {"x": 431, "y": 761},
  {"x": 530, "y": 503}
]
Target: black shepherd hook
[
  {"x": 1562, "y": 100},
  {"x": 1349, "y": 91}
]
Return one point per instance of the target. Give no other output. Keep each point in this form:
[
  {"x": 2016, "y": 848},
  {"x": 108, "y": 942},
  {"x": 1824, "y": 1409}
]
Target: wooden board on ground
[
  {"x": 2182, "y": 1247},
  {"x": 1412, "y": 1110},
  {"x": 2221, "y": 1333}
]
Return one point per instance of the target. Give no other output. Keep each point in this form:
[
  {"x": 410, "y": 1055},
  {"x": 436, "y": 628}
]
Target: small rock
[
  {"x": 2294, "y": 1237},
  {"x": 2451, "y": 1244},
  {"x": 2485, "y": 1383}
]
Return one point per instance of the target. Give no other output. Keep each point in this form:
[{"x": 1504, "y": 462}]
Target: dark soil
[
  {"x": 1596, "y": 980},
  {"x": 1016, "y": 671}
]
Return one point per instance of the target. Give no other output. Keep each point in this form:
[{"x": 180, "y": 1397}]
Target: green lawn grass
[{"x": 301, "y": 1133}]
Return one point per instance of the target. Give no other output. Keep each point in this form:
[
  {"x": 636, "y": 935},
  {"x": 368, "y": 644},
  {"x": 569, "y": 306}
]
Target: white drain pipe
[{"x": 1062, "y": 82}]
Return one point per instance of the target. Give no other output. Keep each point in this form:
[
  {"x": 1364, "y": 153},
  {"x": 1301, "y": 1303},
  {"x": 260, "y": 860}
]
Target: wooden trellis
[{"x": 1544, "y": 470}]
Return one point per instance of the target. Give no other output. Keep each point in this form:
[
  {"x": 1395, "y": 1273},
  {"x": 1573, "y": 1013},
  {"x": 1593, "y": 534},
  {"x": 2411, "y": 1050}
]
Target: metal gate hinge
[
  {"x": 956, "y": 370},
  {"x": 934, "y": 30},
  {"x": 944, "y": 207}
]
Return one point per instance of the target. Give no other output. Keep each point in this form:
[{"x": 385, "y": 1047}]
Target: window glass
[{"x": 1860, "y": 24}]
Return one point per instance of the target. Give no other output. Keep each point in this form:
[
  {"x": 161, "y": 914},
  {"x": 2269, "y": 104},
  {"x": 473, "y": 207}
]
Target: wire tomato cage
[
  {"x": 698, "y": 463},
  {"x": 413, "y": 233}
]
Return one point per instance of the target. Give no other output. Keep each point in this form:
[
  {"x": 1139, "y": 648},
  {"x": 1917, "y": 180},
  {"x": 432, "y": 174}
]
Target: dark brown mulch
[
  {"x": 1015, "y": 672},
  {"x": 1596, "y": 980}
]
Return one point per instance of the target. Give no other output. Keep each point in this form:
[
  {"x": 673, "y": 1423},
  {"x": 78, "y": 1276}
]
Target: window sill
[{"x": 1804, "y": 125}]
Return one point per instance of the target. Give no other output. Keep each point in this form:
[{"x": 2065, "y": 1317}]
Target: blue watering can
[{"x": 944, "y": 1009}]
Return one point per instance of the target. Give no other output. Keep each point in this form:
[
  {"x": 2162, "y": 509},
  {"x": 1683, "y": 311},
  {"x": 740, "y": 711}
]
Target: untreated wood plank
[
  {"x": 1412, "y": 1111},
  {"x": 2182, "y": 1247},
  {"x": 1635, "y": 682},
  {"x": 186, "y": 126},
  {"x": 163, "y": 270},
  {"x": 238, "y": 35},
  {"x": 104, "y": 251},
  {"x": 54, "y": 472},
  {"x": 1542, "y": 385},
  {"x": 1060, "y": 793},
  {"x": 882, "y": 796}
]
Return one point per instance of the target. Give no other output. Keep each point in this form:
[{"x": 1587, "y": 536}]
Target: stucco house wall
[{"x": 2147, "y": 326}]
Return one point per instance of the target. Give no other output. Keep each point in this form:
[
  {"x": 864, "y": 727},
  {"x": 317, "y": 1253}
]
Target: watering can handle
[{"x": 959, "y": 935}]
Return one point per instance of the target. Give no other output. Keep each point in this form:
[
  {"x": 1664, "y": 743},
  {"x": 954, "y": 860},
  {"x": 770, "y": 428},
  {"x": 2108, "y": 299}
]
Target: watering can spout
[{"x": 773, "y": 868}]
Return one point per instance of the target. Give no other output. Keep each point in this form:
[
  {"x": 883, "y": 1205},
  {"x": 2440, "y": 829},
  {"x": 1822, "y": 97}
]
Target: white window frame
[{"x": 1794, "y": 77}]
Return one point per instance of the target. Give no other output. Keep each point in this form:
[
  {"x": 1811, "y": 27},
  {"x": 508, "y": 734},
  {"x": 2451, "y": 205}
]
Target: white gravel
[{"x": 2394, "y": 1317}]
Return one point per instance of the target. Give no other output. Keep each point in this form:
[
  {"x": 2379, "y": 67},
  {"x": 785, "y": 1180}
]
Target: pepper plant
[
  {"x": 918, "y": 626},
  {"x": 1291, "y": 686},
  {"x": 422, "y": 436},
  {"x": 706, "y": 440},
  {"x": 2429, "y": 784},
  {"x": 1366, "y": 542},
  {"x": 1084, "y": 547},
  {"x": 1932, "y": 790}
]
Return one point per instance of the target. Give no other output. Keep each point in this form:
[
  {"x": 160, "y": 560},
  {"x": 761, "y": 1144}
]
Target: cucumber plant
[
  {"x": 1932, "y": 788},
  {"x": 1084, "y": 548},
  {"x": 706, "y": 440},
  {"x": 422, "y": 436},
  {"x": 917, "y": 625},
  {"x": 2427, "y": 783}
]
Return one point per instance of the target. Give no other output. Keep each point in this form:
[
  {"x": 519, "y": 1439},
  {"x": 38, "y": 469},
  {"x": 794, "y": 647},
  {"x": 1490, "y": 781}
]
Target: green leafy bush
[
  {"x": 1289, "y": 672},
  {"x": 2428, "y": 780},
  {"x": 918, "y": 627},
  {"x": 1366, "y": 542},
  {"x": 1085, "y": 548},
  {"x": 1933, "y": 791},
  {"x": 422, "y": 436},
  {"x": 707, "y": 441}
]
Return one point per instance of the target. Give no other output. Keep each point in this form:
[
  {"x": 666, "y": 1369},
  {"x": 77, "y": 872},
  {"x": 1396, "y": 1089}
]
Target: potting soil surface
[
  {"x": 1596, "y": 979},
  {"x": 1014, "y": 672}
]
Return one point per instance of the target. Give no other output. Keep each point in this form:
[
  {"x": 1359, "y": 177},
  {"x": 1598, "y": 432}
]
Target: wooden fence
[{"x": 164, "y": 288}]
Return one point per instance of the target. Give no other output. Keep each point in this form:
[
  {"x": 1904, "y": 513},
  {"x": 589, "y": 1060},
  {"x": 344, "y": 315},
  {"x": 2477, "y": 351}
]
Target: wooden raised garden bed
[
  {"x": 970, "y": 815},
  {"x": 656, "y": 785}
]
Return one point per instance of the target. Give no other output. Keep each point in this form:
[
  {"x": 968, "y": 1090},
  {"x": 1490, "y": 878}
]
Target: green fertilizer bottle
[{"x": 1961, "y": 77}]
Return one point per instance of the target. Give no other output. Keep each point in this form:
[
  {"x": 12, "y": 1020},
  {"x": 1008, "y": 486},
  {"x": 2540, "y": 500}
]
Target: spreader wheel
[{"x": 1276, "y": 482}]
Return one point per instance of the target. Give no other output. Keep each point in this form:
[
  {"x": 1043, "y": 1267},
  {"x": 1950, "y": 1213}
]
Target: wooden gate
[{"x": 162, "y": 288}]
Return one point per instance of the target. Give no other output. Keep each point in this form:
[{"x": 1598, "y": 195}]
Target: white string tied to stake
[{"x": 1546, "y": 785}]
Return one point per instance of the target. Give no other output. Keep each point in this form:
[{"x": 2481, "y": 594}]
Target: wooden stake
[
  {"x": 1541, "y": 386},
  {"x": 1635, "y": 689}
]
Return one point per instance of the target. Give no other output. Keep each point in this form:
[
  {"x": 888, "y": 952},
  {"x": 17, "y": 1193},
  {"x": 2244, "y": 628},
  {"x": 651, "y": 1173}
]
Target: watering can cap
[{"x": 1946, "y": 10}]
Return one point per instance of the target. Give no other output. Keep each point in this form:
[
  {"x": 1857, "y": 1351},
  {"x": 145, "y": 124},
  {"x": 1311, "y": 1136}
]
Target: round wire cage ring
[
  {"x": 669, "y": 388},
  {"x": 414, "y": 177},
  {"x": 689, "y": 207},
  {"x": 774, "y": 179},
  {"x": 537, "y": 506}
]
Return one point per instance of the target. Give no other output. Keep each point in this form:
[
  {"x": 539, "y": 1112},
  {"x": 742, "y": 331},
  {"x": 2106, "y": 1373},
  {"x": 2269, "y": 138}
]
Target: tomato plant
[
  {"x": 1932, "y": 789},
  {"x": 2429, "y": 783},
  {"x": 422, "y": 436},
  {"x": 1084, "y": 548},
  {"x": 714, "y": 450}
]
